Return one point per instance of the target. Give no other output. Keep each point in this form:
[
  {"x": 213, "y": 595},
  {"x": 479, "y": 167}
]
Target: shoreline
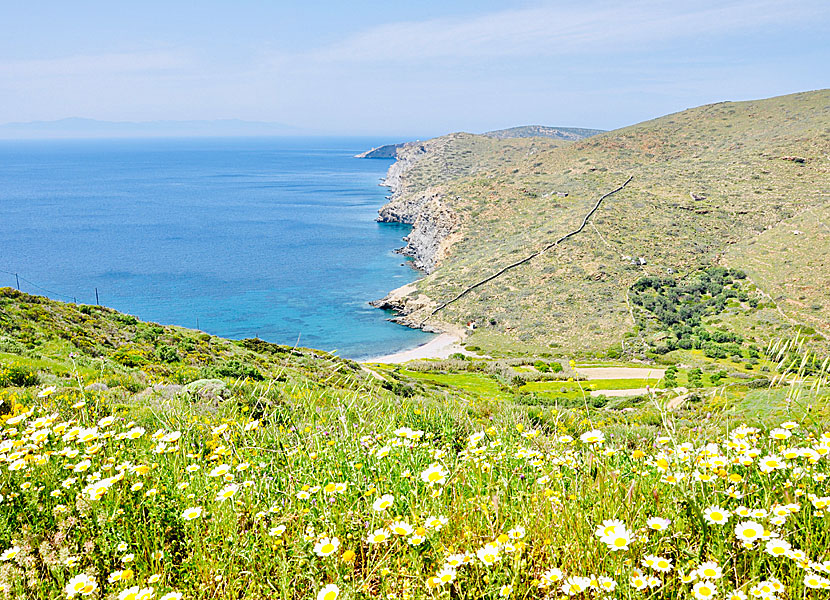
[{"x": 440, "y": 347}]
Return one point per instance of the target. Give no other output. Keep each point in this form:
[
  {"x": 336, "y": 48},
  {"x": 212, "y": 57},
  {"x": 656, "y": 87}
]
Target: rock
[
  {"x": 208, "y": 389},
  {"x": 160, "y": 390},
  {"x": 98, "y": 386}
]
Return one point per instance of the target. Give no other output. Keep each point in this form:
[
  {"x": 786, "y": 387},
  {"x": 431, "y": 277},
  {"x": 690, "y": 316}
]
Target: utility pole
[
  {"x": 18, "y": 281},
  {"x": 96, "y": 297}
]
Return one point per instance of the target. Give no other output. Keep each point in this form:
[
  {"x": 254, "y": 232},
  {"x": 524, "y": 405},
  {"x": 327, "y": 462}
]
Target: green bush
[
  {"x": 17, "y": 376},
  {"x": 168, "y": 354}
]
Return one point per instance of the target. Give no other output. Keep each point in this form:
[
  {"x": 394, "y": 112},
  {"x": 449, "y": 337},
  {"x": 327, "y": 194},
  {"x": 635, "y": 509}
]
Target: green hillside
[{"x": 715, "y": 185}]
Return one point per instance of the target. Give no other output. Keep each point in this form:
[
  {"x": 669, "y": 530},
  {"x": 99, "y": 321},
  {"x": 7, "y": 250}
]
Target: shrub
[
  {"x": 17, "y": 376},
  {"x": 168, "y": 354}
]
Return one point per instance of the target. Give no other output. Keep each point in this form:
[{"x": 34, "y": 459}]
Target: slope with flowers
[{"x": 300, "y": 477}]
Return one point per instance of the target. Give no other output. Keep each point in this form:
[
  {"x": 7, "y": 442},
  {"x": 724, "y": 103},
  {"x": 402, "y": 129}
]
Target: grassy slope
[
  {"x": 729, "y": 153},
  {"x": 322, "y": 421}
]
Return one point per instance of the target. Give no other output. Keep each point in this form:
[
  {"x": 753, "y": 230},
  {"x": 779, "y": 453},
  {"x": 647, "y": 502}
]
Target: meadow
[{"x": 137, "y": 475}]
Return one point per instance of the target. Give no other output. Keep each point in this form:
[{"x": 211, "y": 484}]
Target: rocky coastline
[{"x": 435, "y": 227}]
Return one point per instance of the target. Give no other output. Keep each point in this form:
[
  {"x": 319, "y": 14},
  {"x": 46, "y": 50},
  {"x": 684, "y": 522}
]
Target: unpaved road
[{"x": 621, "y": 373}]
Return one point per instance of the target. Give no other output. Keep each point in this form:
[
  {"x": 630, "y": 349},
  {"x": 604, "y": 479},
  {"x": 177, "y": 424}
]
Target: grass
[{"x": 276, "y": 484}]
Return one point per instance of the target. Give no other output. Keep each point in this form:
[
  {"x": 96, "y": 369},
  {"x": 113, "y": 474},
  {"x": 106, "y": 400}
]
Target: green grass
[{"x": 320, "y": 421}]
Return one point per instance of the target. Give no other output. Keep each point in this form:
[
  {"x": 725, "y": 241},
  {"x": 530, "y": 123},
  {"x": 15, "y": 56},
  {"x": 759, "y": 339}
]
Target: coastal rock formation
[
  {"x": 434, "y": 227},
  {"x": 407, "y": 155},
  {"x": 387, "y": 151},
  {"x": 411, "y": 306}
]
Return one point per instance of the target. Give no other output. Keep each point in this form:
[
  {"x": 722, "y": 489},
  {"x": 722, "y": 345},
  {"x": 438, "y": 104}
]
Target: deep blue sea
[{"x": 274, "y": 238}]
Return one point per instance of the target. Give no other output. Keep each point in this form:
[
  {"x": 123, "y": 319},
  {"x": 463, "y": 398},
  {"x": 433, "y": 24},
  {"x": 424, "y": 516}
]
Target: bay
[{"x": 258, "y": 237}]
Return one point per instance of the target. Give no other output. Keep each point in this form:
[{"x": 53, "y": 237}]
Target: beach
[{"x": 441, "y": 346}]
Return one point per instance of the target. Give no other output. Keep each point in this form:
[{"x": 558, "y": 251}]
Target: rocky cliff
[{"x": 434, "y": 225}]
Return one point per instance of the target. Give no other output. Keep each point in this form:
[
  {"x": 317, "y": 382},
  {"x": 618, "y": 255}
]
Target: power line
[{"x": 19, "y": 278}]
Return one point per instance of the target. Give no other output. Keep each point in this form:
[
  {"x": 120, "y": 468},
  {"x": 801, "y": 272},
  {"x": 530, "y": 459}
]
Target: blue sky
[{"x": 403, "y": 68}]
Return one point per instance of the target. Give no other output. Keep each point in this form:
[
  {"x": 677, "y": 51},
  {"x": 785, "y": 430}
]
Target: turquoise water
[{"x": 272, "y": 238}]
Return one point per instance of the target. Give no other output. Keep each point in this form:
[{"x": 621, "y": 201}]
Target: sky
[{"x": 414, "y": 69}]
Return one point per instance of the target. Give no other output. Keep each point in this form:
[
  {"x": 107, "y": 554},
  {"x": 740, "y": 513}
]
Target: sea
[{"x": 272, "y": 238}]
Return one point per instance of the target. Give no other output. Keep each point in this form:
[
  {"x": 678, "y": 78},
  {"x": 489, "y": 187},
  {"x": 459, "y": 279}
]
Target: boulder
[
  {"x": 208, "y": 389},
  {"x": 98, "y": 386}
]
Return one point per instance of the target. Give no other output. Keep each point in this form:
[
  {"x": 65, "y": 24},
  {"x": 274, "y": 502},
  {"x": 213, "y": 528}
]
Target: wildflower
[
  {"x": 815, "y": 582},
  {"x": 592, "y": 437},
  {"x": 219, "y": 471},
  {"x": 658, "y": 563},
  {"x": 475, "y": 438},
  {"x": 227, "y": 492},
  {"x": 505, "y": 591},
  {"x": 81, "y": 584},
  {"x": 378, "y": 536},
  {"x": 704, "y": 590},
  {"x": 618, "y": 540},
  {"x": 550, "y": 577},
  {"x": 401, "y": 528},
  {"x": 383, "y": 502},
  {"x": 658, "y": 523},
  {"x": 749, "y": 531},
  {"x": 608, "y": 527},
  {"x": 10, "y": 553},
  {"x": 488, "y": 554},
  {"x": 446, "y": 575},
  {"x": 607, "y": 585},
  {"x": 455, "y": 560},
  {"x": 716, "y": 515},
  {"x": 192, "y": 513},
  {"x": 326, "y": 546},
  {"x": 777, "y": 547},
  {"x": 638, "y": 581},
  {"x": 434, "y": 474},
  {"x": 573, "y": 586},
  {"x": 709, "y": 570},
  {"x": 736, "y": 595},
  {"x": 134, "y": 593},
  {"x": 329, "y": 592},
  {"x": 517, "y": 533},
  {"x": 435, "y": 523}
]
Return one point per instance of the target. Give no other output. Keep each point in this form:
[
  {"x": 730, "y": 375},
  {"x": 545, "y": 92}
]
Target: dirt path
[
  {"x": 621, "y": 372},
  {"x": 623, "y": 393}
]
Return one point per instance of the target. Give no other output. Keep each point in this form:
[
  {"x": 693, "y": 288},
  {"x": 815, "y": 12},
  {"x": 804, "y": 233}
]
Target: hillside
[
  {"x": 559, "y": 133},
  {"x": 721, "y": 184},
  {"x": 143, "y": 461}
]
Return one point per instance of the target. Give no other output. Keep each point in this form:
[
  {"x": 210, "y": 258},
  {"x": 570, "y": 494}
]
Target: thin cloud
[
  {"x": 95, "y": 64},
  {"x": 554, "y": 30}
]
